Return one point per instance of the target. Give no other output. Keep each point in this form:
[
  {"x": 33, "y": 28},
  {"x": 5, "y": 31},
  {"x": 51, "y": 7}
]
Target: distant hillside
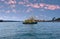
[
  {"x": 8, "y": 21},
  {"x": 58, "y": 19}
]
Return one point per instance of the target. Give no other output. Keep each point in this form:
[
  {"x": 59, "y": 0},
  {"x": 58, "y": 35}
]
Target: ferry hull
[{"x": 29, "y": 23}]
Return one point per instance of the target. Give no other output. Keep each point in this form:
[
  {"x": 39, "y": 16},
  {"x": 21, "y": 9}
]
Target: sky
[{"x": 23, "y": 9}]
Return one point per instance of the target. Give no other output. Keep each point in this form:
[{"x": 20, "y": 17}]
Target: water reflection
[{"x": 31, "y": 34}]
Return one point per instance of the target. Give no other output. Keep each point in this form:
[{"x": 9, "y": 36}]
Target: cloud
[
  {"x": 21, "y": 2},
  {"x": 2, "y": 0},
  {"x": 52, "y": 7},
  {"x": 8, "y": 11},
  {"x": 12, "y": 6},
  {"x": 14, "y": 11},
  {"x": 27, "y": 3},
  {"x": 12, "y": 2},
  {"x": 28, "y": 10},
  {"x": 44, "y": 6},
  {"x": 40, "y": 5},
  {"x": 35, "y": 5}
]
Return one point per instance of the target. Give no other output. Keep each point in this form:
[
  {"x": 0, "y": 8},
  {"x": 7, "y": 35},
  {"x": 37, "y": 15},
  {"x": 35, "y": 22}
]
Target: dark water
[{"x": 42, "y": 30}]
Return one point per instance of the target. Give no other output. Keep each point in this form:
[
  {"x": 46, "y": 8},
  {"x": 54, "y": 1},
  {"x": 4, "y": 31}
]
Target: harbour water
[{"x": 17, "y": 30}]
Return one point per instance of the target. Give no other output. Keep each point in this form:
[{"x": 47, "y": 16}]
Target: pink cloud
[
  {"x": 44, "y": 6},
  {"x": 12, "y": 2},
  {"x": 21, "y": 2},
  {"x": 35, "y": 5},
  {"x": 40, "y": 5},
  {"x": 52, "y": 7},
  {"x": 29, "y": 4}
]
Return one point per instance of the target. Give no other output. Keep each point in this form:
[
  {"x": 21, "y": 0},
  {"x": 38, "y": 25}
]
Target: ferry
[{"x": 30, "y": 21}]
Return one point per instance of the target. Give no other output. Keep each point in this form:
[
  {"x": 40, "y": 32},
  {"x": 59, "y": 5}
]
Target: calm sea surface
[{"x": 17, "y": 30}]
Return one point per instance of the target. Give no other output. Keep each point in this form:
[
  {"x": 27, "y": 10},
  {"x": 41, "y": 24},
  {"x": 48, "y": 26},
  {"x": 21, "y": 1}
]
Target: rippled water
[{"x": 17, "y": 30}]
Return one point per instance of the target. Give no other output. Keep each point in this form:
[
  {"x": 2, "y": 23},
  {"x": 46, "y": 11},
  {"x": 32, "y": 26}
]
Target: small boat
[{"x": 30, "y": 21}]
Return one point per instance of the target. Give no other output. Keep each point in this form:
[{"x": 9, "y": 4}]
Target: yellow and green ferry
[{"x": 30, "y": 21}]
